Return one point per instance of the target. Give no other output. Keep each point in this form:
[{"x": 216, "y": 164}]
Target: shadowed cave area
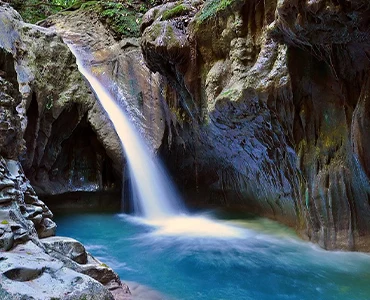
[{"x": 73, "y": 171}]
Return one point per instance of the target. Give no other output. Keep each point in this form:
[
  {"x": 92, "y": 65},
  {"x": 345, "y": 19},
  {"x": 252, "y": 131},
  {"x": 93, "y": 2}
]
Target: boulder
[
  {"x": 74, "y": 256},
  {"x": 28, "y": 263},
  {"x": 68, "y": 247},
  {"x": 47, "y": 228}
]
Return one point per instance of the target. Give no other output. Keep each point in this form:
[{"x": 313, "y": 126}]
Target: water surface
[{"x": 242, "y": 259}]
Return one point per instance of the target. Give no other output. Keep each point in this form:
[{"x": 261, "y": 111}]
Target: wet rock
[
  {"x": 278, "y": 91},
  {"x": 6, "y": 241},
  {"x": 7, "y": 194},
  {"x": 6, "y": 183},
  {"x": 67, "y": 247},
  {"x": 47, "y": 228},
  {"x": 21, "y": 235},
  {"x": 28, "y": 263},
  {"x": 31, "y": 211}
]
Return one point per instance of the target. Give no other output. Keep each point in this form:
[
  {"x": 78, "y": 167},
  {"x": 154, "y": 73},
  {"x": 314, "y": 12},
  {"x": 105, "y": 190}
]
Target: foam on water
[{"x": 190, "y": 226}]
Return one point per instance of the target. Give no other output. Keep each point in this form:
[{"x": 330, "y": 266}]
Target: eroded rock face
[
  {"x": 120, "y": 66},
  {"x": 23, "y": 215},
  {"x": 275, "y": 93},
  {"x": 51, "y": 106},
  {"x": 75, "y": 257}
]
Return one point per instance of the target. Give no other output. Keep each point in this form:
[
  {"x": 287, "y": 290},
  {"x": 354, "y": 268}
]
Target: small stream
[{"x": 257, "y": 259}]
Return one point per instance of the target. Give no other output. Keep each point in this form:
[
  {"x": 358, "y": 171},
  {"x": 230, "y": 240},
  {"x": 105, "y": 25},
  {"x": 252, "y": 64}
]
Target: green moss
[
  {"x": 89, "y": 4},
  {"x": 121, "y": 17},
  {"x": 122, "y": 20},
  {"x": 177, "y": 11},
  {"x": 170, "y": 34},
  {"x": 211, "y": 8},
  {"x": 49, "y": 103},
  {"x": 33, "y": 11},
  {"x": 179, "y": 114},
  {"x": 4, "y": 222},
  {"x": 104, "y": 265},
  {"x": 227, "y": 93}
]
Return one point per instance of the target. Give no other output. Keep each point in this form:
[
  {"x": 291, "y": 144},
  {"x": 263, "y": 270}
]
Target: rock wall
[
  {"x": 273, "y": 108},
  {"x": 34, "y": 264},
  {"x": 55, "y": 108}
]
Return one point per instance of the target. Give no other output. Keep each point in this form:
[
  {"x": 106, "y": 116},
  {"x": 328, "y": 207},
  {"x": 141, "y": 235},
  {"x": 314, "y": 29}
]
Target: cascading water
[
  {"x": 152, "y": 190},
  {"x": 151, "y": 187}
]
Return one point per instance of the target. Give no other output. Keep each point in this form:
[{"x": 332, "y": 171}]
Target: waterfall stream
[{"x": 152, "y": 191}]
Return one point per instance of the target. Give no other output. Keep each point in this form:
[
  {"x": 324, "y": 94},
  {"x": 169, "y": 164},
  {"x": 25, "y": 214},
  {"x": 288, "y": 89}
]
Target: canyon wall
[{"x": 273, "y": 109}]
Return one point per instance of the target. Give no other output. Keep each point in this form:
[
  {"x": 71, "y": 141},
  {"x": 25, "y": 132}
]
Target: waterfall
[{"x": 152, "y": 189}]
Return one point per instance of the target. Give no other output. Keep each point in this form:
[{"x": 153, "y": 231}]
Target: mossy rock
[{"x": 177, "y": 11}]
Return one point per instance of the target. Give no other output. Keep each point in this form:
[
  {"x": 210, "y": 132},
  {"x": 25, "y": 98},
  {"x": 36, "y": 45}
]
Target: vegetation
[
  {"x": 4, "y": 222},
  {"x": 122, "y": 20},
  {"x": 211, "y": 8},
  {"x": 175, "y": 12},
  {"x": 36, "y": 10},
  {"x": 49, "y": 103},
  {"x": 123, "y": 17}
]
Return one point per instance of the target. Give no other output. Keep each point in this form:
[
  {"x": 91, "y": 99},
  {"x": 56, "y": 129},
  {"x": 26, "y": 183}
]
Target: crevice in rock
[
  {"x": 23, "y": 274},
  {"x": 31, "y": 132},
  {"x": 65, "y": 155},
  {"x": 82, "y": 177},
  {"x": 62, "y": 128},
  {"x": 7, "y": 69}
]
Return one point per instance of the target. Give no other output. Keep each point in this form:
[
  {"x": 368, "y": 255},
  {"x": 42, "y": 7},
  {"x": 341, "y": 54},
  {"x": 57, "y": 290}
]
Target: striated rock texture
[
  {"x": 272, "y": 108},
  {"x": 35, "y": 263}
]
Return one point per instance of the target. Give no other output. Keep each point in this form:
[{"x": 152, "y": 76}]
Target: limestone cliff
[{"x": 273, "y": 108}]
